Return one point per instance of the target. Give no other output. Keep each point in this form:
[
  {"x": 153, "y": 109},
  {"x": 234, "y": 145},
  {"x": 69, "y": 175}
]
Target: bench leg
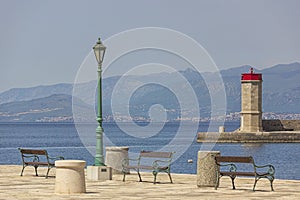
[
  {"x": 232, "y": 180},
  {"x": 48, "y": 172},
  {"x": 124, "y": 171},
  {"x": 271, "y": 182},
  {"x": 139, "y": 176},
  {"x": 255, "y": 181},
  {"x": 154, "y": 174},
  {"x": 23, "y": 170},
  {"x": 35, "y": 167},
  {"x": 217, "y": 181},
  {"x": 170, "y": 177},
  {"x": 124, "y": 174}
]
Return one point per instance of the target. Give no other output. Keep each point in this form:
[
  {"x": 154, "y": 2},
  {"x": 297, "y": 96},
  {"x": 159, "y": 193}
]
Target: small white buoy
[{"x": 190, "y": 161}]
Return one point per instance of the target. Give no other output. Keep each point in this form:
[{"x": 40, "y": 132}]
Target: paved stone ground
[{"x": 13, "y": 186}]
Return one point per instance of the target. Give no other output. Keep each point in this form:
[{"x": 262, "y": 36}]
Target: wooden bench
[
  {"x": 161, "y": 165},
  {"x": 230, "y": 162},
  {"x": 36, "y": 158}
]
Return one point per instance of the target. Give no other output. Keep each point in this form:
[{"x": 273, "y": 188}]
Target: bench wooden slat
[
  {"x": 235, "y": 159},
  {"x": 39, "y": 163},
  {"x": 152, "y": 154},
  {"x": 139, "y": 167},
  {"x": 237, "y": 173},
  {"x": 145, "y": 167},
  {"x": 33, "y": 151}
]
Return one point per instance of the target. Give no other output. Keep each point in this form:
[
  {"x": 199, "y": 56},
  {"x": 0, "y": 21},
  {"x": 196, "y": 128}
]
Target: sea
[{"x": 68, "y": 140}]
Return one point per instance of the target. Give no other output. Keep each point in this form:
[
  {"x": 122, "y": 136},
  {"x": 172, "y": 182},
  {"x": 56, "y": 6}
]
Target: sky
[{"x": 45, "y": 42}]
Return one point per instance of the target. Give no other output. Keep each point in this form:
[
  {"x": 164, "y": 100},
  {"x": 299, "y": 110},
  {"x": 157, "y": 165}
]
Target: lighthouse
[{"x": 251, "y": 102}]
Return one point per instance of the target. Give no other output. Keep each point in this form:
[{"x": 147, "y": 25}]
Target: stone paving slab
[{"x": 13, "y": 186}]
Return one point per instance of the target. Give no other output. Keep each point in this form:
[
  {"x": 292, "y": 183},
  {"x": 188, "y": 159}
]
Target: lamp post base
[{"x": 99, "y": 173}]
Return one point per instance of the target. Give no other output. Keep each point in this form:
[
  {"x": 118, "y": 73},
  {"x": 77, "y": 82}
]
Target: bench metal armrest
[
  {"x": 155, "y": 163},
  {"x": 271, "y": 168},
  {"x": 125, "y": 162},
  {"x": 232, "y": 167},
  {"x": 56, "y": 158},
  {"x": 165, "y": 161},
  {"x": 31, "y": 156},
  {"x": 35, "y": 158}
]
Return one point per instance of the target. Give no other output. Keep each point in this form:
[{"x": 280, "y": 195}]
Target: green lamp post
[{"x": 99, "y": 50}]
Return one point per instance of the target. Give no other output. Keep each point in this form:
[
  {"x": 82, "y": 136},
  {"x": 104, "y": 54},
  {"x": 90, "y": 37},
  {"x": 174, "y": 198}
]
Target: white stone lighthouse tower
[{"x": 251, "y": 102}]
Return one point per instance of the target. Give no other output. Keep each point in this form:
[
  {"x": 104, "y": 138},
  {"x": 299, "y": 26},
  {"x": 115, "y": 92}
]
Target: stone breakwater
[
  {"x": 281, "y": 125},
  {"x": 244, "y": 137}
]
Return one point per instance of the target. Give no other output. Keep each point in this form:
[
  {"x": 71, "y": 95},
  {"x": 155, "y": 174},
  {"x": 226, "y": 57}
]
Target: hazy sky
[{"x": 45, "y": 42}]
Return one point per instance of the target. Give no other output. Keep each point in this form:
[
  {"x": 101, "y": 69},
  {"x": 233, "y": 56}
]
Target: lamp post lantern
[{"x": 99, "y": 50}]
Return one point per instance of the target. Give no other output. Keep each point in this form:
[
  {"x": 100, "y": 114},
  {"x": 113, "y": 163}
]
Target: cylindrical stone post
[
  {"x": 206, "y": 168},
  {"x": 221, "y": 129},
  {"x": 114, "y": 158},
  {"x": 70, "y": 177}
]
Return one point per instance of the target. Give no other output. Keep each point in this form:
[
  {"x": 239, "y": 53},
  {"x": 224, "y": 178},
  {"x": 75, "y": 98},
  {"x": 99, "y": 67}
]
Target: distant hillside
[
  {"x": 24, "y": 94},
  {"x": 57, "y": 107},
  {"x": 281, "y": 94}
]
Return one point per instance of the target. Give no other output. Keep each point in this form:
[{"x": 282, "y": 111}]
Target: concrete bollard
[
  {"x": 99, "y": 173},
  {"x": 114, "y": 158},
  {"x": 70, "y": 177},
  {"x": 206, "y": 168},
  {"x": 221, "y": 129}
]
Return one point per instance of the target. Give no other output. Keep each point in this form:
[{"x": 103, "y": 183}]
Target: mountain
[
  {"x": 23, "y": 94},
  {"x": 281, "y": 94},
  {"x": 57, "y": 107}
]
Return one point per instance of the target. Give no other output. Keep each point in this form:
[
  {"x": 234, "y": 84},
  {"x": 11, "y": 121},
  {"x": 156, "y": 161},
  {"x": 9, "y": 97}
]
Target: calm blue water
[{"x": 63, "y": 139}]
